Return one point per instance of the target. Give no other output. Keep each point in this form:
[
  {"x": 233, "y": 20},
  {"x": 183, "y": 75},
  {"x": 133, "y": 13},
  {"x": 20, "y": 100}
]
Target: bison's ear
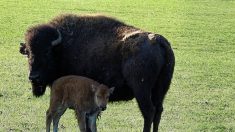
[
  {"x": 23, "y": 49},
  {"x": 111, "y": 90}
]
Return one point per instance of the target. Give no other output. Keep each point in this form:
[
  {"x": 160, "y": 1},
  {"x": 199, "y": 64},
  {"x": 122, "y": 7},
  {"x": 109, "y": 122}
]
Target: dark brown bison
[{"x": 137, "y": 63}]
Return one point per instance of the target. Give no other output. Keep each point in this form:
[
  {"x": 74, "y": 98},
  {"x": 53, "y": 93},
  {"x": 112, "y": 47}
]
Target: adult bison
[{"x": 139, "y": 64}]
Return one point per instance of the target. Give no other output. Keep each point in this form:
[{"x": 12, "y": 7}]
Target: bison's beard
[{"x": 38, "y": 90}]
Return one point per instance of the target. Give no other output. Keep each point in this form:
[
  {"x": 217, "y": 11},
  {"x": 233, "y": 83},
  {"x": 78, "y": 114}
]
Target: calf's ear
[
  {"x": 22, "y": 49},
  {"x": 111, "y": 90},
  {"x": 93, "y": 87}
]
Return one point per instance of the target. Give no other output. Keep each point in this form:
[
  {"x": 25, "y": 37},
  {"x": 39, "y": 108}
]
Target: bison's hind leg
[
  {"x": 157, "y": 100},
  {"x": 158, "y": 94},
  {"x": 142, "y": 94},
  {"x": 142, "y": 82}
]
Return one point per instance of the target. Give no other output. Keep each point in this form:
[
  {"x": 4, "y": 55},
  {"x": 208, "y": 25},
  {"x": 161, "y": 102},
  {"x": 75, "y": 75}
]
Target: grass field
[{"x": 202, "y": 33}]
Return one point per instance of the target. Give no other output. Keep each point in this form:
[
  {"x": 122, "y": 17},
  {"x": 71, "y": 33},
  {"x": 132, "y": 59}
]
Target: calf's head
[
  {"x": 38, "y": 47},
  {"x": 102, "y": 93}
]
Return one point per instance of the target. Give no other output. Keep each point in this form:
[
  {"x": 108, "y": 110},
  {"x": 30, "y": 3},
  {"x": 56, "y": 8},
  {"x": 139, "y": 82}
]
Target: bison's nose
[{"x": 33, "y": 77}]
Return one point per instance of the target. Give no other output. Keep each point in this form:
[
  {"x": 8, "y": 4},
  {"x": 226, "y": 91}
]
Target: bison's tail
[{"x": 166, "y": 73}]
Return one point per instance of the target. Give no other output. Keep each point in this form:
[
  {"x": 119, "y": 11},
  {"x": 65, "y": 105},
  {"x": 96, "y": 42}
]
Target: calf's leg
[
  {"x": 56, "y": 117},
  {"x": 81, "y": 118},
  {"x": 88, "y": 129},
  {"x": 48, "y": 120},
  {"x": 92, "y": 121}
]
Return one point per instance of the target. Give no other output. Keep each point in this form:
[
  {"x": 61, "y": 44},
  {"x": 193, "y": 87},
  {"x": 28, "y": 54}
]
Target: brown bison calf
[{"x": 86, "y": 96}]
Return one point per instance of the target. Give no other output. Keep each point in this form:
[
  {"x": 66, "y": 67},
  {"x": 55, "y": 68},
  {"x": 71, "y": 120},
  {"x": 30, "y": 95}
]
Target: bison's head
[{"x": 39, "y": 46}]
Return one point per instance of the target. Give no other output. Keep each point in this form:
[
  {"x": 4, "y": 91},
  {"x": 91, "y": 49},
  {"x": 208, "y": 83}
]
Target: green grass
[{"x": 202, "y": 33}]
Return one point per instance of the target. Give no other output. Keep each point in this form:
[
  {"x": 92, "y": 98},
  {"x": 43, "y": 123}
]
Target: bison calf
[{"x": 86, "y": 96}]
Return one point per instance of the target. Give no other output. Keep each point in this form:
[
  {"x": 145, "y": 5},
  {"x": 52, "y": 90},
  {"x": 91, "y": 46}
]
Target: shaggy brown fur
[
  {"x": 99, "y": 29},
  {"x": 86, "y": 96}
]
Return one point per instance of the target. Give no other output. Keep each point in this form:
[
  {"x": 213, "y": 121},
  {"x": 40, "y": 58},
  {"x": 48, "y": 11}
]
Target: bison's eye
[{"x": 98, "y": 96}]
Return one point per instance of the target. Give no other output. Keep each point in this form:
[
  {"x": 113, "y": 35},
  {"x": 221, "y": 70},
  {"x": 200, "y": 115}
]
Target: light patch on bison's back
[{"x": 131, "y": 34}]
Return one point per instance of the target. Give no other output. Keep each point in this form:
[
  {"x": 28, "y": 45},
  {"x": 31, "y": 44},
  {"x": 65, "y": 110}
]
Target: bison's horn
[{"x": 58, "y": 40}]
